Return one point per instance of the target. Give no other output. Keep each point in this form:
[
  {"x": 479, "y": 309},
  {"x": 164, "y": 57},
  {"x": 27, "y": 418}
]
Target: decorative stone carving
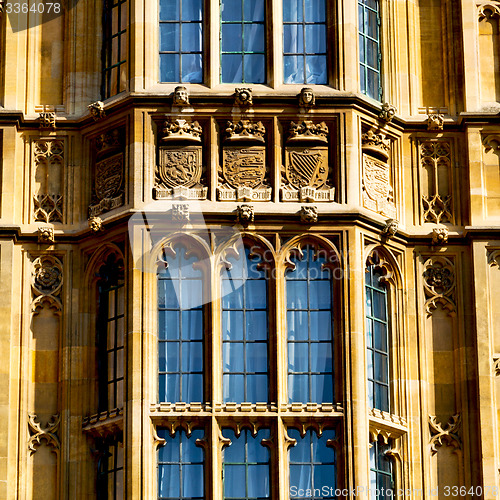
[
  {"x": 95, "y": 224},
  {"x": 46, "y": 284},
  {"x": 46, "y": 234},
  {"x": 48, "y": 433},
  {"x": 494, "y": 257},
  {"x": 242, "y": 176},
  {"x": 445, "y": 435},
  {"x": 306, "y": 171},
  {"x": 47, "y": 119},
  {"x": 308, "y": 215},
  {"x": 181, "y": 96},
  {"x": 376, "y": 143},
  {"x": 435, "y": 162},
  {"x": 245, "y": 214},
  {"x": 496, "y": 365},
  {"x": 307, "y": 98},
  {"x": 179, "y": 169},
  {"x": 97, "y": 110},
  {"x": 243, "y": 97},
  {"x": 180, "y": 212},
  {"x": 491, "y": 142},
  {"x": 439, "y": 284},
  {"x": 49, "y": 163},
  {"x": 391, "y": 228},
  {"x": 387, "y": 113},
  {"x": 435, "y": 121},
  {"x": 488, "y": 10},
  {"x": 440, "y": 236},
  {"x": 108, "y": 183},
  {"x": 376, "y": 183}
]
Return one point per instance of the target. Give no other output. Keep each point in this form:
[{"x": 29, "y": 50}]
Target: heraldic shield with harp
[{"x": 306, "y": 171}]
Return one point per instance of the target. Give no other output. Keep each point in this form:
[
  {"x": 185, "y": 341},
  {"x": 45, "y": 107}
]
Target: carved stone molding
[
  {"x": 243, "y": 97},
  {"x": 97, "y": 110},
  {"x": 49, "y": 161},
  {"x": 308, "y": 215},
  {"x": 48, "y": 433},
  {"x": 439, "y": 284},
  {"x": 488, "y": 10},
  {"x": 46, "y": 283},
  {"x": 46, "y": 235},
  {"x": 436, "y": 160},
  {"x": 387, "y": 113},
  {"x": 435, "y": 121},
  {"x": 47, "y": 119},
  {"x": 307, "y": 99},
  {"x": 445, "y": 435},
  {"x": 108, "y": 173},
  {"x": 440, "y": 236},
  {"x": 180, "y": 96},
  {"x": 245, "y": 214},
  {"x": 179, "y": 168}
]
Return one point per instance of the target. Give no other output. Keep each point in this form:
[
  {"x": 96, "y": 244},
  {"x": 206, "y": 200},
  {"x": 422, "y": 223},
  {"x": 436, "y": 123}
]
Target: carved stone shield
[
  {"x": 179, "y": 166},
  {"x": 306, "y": 167},
  {"x": 378, "y": 193},
  {"x": 244, "y": 167},
  {"x": 109, "y": 177}
]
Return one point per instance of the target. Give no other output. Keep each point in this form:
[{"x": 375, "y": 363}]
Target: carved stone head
[
  {"x": 96, "y": 110},
  {"x": 95, "y": 224},
  {"x": 181, "y": 96},
  {"x": 391, "y": 228},
  {"x": 245, "y": 213},
  {"x": 243, "y": 97},
  {"x": 309, "y": 215},
  {"x": 306, "y": 97}
]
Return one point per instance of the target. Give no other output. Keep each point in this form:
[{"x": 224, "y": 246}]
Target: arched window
[
  {"x": 381, "y": 471},
  {"x": 377, "y": 339},
  {"x": 110, "y": 334},
  {"x": 309, "y": 302},
  {"x": 245, "y": 330},
  {"x": 180, "y": 328}
]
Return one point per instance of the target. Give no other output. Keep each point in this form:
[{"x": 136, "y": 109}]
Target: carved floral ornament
[
  {"x": 447, "y": 435},
  {"x": 439, "y": 284},
  {"x": 48, "y": 433},
  {"x": 243, "y": 97},
  {"x": 47, "y": 280}
]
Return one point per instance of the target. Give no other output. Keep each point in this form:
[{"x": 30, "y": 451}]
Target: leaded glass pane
[
  {"x": 304, "y": 42},
  {"x": 369, "y": 48},
  {"x": 246, "y": 466},
  {"x": 381, "y": 475},
  {"x": 309, "y": 328},
  {"x": 180, "y": 465},
  {"x": 180, "y": 329},
  {"x": 377, "y": 340},
  {"x": 244, "y": 342},
  {"x": 243, "y": 41},
  {"x": 181, "y": 41}
]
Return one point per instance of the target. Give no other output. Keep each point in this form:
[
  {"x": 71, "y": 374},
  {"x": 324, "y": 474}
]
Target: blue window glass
[
  {"x": 246, "y": 465},
  {"x": 381, "y": 475},
  {"x": 369, "y": 48},
  {"x": 313, "y": 469},
  {"x": 304, "y": 41},
  {"x": 244, "y": 330},
  {"x": 114, "y": 48},
  {"x": 243, "y": 41},
  {"x": 180, "y": 329},
  {"x": 181, "y": 41},
  {"x": 310, "y": 330},
  {"x": 377, "y": 340},
  {"x": 180, "y": 466}
]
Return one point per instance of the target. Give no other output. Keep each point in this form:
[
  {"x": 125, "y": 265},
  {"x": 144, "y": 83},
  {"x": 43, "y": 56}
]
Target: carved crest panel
[
  {"x": 108, "y": 185},
  {"x": 377, "y": 189},
  {"x": 242, "y": 176},
  {"x": 180, "y": 162}
]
